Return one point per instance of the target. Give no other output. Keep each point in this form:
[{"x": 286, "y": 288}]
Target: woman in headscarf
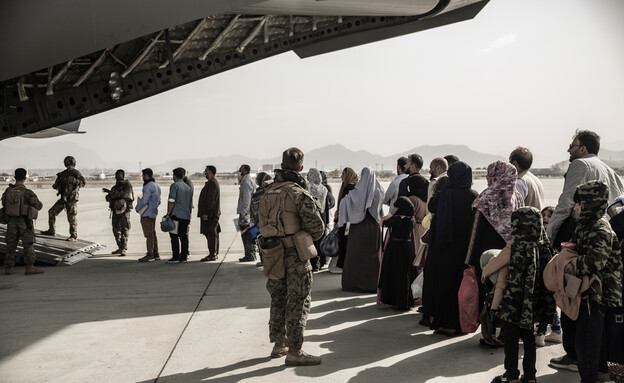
[
  {"x": 319, "y": 194},
  {"x": 349, "y": 180},
  {"x": 492, "y": 223},
  {"x": 449, "y": 236},
  {"x": 361, "y": 212},
  {"x": 397, "y": 273}
]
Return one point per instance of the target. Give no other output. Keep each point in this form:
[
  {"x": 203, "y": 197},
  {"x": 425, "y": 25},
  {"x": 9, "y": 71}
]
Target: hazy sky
[{"x": 523, "y": 72}]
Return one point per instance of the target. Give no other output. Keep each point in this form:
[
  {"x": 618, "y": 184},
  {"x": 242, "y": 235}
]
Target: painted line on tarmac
[{"x": 195, "y": 309}]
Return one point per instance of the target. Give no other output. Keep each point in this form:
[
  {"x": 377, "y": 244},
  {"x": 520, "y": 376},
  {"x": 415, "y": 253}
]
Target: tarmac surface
[{"x": 113, "y": 319}]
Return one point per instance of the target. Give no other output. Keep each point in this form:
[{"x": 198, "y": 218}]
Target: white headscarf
[
  {"x": 367, "y": 196},
  {"x": 316, "y": 188}
]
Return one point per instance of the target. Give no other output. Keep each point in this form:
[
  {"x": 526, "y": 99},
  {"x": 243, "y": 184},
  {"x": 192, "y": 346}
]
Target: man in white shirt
[
  {"x": 527, "y": 184},
  {"x": 392, "y": 193}
]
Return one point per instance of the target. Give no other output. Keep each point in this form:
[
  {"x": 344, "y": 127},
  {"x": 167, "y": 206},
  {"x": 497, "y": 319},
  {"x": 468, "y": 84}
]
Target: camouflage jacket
[
  {"x": 597, "y": 246},
  {"x": 525, "y": 299},
  {"x": 307, "y": 210},
  {"x": 68, "y": 183},
  {"x": 121, "y": 191},
  {"x": 29, "y": 196}
]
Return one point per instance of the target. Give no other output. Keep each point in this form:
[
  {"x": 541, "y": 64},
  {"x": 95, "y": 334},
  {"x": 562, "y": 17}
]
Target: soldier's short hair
[
  {"x": 148, "y": 172},
  {"x": 20, "y": 174},
  {"x": 523, "y": 157},
  {"x": 123, "y": 173},
  {"x": 441, "y": 162},
  {"x": 589, "y": 139},
  {"x": 292, "y": 159},
  {"x": 179, "y": 173},
  {"x": 212, "y": 169},
  {"x": 69, "y": 161},
  {"x": 451, "y": 159},
  {"x": 416, "y": 159}
]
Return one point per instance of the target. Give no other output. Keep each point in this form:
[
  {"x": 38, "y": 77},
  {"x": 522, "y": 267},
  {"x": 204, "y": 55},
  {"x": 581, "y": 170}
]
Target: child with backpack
[{"x": 525, "y": 300}]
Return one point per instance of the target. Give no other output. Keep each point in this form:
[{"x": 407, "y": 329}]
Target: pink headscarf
[{"x": 501, "y": 198}]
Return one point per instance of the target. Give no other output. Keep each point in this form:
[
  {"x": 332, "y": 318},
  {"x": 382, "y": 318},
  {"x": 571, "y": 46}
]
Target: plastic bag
[{"x": 417, "y": 286}]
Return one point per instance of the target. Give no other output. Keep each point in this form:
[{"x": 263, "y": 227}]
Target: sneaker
[
  {"x": 147, "y": 258},
  {"x": 302, "y": 359},
  {"x": 118, "y": 251},
  {"x": 279, "y": 350},
  {"x": 564, "y": 362},
  {"x": 183, "y": 260},
  {"x": 173, "y": 260},
  {"x": 554, "y": 337},
  {"x": 157, "y": 257},
  {"x": 246, "y": 259},
  {"x": 539, "y": 340}
]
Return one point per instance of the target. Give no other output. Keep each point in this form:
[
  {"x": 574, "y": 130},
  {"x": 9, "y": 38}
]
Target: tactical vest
[
  {"x": 277, "y": 214},
  {"x": 15, "y": 204}
]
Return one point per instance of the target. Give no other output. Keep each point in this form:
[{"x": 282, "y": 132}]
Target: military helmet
[{"x": 69, "y": 161}]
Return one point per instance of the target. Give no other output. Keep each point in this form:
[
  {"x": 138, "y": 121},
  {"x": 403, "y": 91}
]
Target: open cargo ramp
[{"x": 53, "y": 249}]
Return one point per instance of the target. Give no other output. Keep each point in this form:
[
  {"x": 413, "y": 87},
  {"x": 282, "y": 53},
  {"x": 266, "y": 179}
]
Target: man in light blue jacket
[
  {"x": 148, "y": 208},
  {"x": 179, "y": 207}
]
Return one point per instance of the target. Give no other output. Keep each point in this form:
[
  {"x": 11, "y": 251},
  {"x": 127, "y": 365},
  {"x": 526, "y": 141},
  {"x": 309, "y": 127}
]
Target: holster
[{"x": 305, "y": 245}]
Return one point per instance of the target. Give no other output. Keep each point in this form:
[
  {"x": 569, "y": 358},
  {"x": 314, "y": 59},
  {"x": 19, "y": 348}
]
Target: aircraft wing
[{"x": 61, "y": 130}]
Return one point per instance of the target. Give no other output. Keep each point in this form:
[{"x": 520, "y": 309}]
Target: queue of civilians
[{"x": 438, "y": 227}]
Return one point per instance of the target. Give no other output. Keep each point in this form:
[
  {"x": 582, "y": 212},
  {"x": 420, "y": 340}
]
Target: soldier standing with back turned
[
  {"x": 67, "y": 184},
  {"x": 21, "y": 206},
  {"x": 290, "y": 278},
  {"x": 120, "y": 198}
]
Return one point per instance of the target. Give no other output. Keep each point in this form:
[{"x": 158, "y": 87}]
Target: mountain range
[{"x": 50, "y": 154}]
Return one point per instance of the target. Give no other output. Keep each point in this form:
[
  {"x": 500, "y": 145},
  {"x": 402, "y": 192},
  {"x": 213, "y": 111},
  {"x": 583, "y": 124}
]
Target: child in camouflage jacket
[{"x": 525, "y": 299}]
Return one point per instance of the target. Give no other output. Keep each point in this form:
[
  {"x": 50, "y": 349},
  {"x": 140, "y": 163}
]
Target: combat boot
[
  {"x": 8, "y": 271},
  {"x": 71, "y": 239},
  {"x": 300, "y": 358},
  {"x": 279, "y": 350},
  {"x": 32, "y": 270},
  {"x": 48, "y": 232}
]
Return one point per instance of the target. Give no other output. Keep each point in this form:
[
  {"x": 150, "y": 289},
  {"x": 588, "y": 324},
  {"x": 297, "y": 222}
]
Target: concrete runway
[{"x": 113, "y": 319}]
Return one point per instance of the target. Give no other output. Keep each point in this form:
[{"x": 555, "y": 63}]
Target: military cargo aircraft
[{"x": 66, "y": 60}]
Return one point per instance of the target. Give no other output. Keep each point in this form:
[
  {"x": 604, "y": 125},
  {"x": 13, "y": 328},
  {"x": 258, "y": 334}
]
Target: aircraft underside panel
[{"x": 163, "y": 60}]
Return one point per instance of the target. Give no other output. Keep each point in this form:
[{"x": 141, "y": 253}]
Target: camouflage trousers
[
  {"x": 19, "y": 228},
  {"x": 121, "y": 228},
  {"x": 290, "y": 301},
  {"x": 72, "y": 211}
]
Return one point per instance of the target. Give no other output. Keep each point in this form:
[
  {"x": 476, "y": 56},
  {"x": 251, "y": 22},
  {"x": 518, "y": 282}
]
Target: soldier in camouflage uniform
[
  {"x": 67, "y": 184},
  {"x": 20, "y": 223},
  {"x": 526, "y": 300},
  {"x": 290, "y": 295},
  {"x": 599, "y": 259},
  {"x": 120, "y": 198}
]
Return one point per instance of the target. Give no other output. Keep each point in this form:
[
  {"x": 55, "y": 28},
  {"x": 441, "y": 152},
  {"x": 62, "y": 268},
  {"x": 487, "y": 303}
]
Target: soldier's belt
[{"x": 288, "y": 241}]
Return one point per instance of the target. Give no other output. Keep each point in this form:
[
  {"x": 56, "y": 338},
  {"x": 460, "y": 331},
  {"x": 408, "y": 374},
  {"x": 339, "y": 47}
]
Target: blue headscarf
[{"x": 460, "y": 175}]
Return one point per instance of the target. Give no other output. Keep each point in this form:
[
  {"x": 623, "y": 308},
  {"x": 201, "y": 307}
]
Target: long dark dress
[
  {"x": 361, "y": 263},
  {"x": 397, "y": 272},
  {"x": 444, "y": 265},
  {"x": 342, "y": 249}
]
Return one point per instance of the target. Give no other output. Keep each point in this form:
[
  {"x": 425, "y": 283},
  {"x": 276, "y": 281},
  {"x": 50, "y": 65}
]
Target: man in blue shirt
[
  {"x": 148, "y": 208},
  {"x": 179, "y": 206}
]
